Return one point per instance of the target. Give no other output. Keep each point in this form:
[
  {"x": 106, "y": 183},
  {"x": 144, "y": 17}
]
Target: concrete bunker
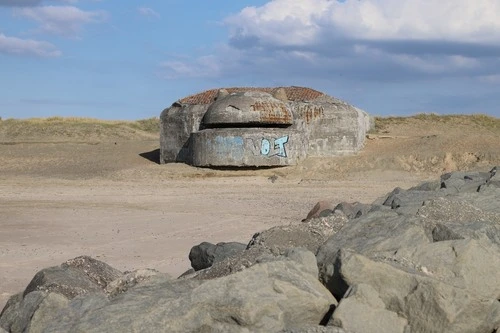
[{"x": 259, "y": 127}]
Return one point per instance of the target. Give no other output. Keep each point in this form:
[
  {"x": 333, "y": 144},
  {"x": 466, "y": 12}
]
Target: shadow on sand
[{"x": 153, "y": 156}]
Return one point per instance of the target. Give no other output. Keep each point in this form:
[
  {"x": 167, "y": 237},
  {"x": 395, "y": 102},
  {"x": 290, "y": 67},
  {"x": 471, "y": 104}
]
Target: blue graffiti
[
  {"x": 265, "y": 147},
  {"x": 280, "y": 145},
  {"x": 269, "y": 147}
]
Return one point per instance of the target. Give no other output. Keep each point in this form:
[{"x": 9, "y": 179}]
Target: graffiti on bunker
[{"x": 268, "y": 147}]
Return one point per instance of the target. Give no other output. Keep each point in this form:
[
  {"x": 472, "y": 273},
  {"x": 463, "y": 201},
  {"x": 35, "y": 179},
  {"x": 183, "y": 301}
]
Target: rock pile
[{"x": 426, "y": 259}]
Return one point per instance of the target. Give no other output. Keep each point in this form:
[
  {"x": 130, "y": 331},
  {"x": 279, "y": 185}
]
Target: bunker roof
[{"x": 295, "y": 94}]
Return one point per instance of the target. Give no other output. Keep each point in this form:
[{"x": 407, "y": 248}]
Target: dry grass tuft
[
  {"x": 489, "y": 123},
  {"x": 72, "y": 128}
]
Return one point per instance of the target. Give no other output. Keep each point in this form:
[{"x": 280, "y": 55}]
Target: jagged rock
[
  {"x": 465, "y": 264},
  {"x": 428, "y": 304},
  {"x": 321, "y": 209},
  {"x": 434, "y": 262},
  {"x": 408, "y": 202},
  {"x": 375, "y": 232},
  {"x": 236, "y": 263},
  {"x": 74, "y": 277},
  {"x": 32, "y": 312},
  {"x": 205, "y": 254},
  {"x": 363, "y": 299},
  {"x": 52, "y": 288},
  {"x": 309, "y": 235},
  {"x": 267, "y": 297},
  {"x": 455, "y": 218},
  {"x": 455, "y": 182},
  {"x": 131, "y": 279},
  {"x": 427, "y": 186},
  {"x": 353, "y": 210}
]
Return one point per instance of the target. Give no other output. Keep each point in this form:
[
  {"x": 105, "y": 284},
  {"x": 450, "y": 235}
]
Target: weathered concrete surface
[
  {"x": 251, "y": 108},
  {"x": 325, "y": 125},
  {"x": 247, "y": 147}
]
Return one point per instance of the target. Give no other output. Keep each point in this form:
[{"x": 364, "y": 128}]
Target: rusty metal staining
[
  {"x": 310, "y": 112},
  {"x": 272, "y": 112},
  {"x": 295, "y": 94}
]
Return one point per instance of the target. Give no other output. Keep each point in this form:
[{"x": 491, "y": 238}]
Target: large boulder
[
  {"x": 206, "y": 254},
  {"x": 52, "y": 288},
  {"x": 270, "y": 296},
  {"x": 430, "y": 258},
  {"x": 310, "y": 234}
]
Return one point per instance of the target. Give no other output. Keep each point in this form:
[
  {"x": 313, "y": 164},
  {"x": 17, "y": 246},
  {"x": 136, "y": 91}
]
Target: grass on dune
[
  {"x": 481, "y": 120},
  {"x": 73, "y": 127}
]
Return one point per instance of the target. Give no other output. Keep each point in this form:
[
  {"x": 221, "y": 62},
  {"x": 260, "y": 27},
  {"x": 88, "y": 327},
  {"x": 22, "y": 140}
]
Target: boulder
[
  {"x": 431, "y": 257},
  {"x": 309, "y": 235},
  {"x": 131, "y": 279},
  {"x": 362, "y": 311},
  {"x": 51, "y": 289},
  {"x": 321, "y": 209},
  {"x": 429, "y": 305},
  {"x": 268, "y": 297},
  {"x": 375, "y": 232},
  {"x": 74, "y": 277},
  {"x": 353, "y": 210},
  {"x": 205, "y": 254},
  {"x": 32, "y": 312},
  {"x": 231, "y": 265}
]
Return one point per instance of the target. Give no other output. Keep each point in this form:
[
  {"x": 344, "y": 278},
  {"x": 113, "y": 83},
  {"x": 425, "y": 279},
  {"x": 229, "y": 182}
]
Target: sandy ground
[
  {"x": 111, "y": 199},
  {"x": 112, "y": 202}
]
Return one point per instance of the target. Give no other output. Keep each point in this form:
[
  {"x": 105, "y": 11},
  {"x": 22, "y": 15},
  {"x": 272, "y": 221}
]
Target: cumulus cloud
[
  {"x": 18, "y": 46},
  {"x": 148, "y": 12},
  {"x": 306, "y": 22},
  {"x": 381, "y": 40},
  {"x": 61, "y": 20}
]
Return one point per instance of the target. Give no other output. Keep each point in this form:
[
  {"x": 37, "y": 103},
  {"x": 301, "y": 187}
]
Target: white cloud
[
  {"x": 204, "y": 66},
  {"x": 18, "y": 46},
  {"x": 149, "y": 12},
  {"x": 61, "y": 20},
  {"x": 304, "y": 22},
  {"x": 355, "y": 40}
]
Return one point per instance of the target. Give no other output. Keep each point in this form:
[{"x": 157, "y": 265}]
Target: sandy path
[{"x": 139, "y": 224}]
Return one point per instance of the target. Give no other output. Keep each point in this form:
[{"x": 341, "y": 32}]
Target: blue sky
[{"x": 112, "y": 59}]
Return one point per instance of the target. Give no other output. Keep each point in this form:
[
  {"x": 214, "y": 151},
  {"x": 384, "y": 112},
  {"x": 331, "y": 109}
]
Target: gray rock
[
  {"x": 427, "y": 186},
  {"x": 314, "y": 329},
  {"x": 231, "y": 265},
  {"x": 51, "y": 288},
  {"x": 205, "y": 254},
  {"x": 267, "y": 297},
  {"x": 464, "y": 181},
  {"x": 353, "y": 210},
  {"x": 429, "y": 305},
  {"x": 362, "y": 311},
  {"x": 131, "y": 279},
  {"x": 409, "y": 202},
  {"x": 375, "y": 232},
  {"x": 465, "y": 264},
  {"x": 321, "y": 209},
  {"x": 31, "y": 313},
  {"x": 455, "y": 218},
  {"x": 309, "y": 235},
  {"x": 74, "y": 277}
]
